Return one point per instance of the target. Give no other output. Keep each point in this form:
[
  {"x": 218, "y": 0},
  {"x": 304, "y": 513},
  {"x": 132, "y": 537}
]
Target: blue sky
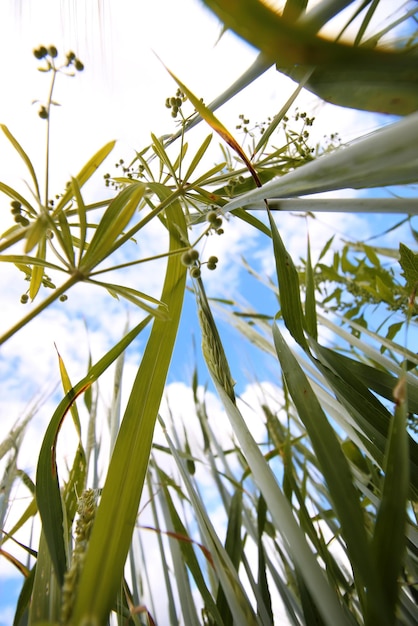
[{"x": 121, "y": 95}]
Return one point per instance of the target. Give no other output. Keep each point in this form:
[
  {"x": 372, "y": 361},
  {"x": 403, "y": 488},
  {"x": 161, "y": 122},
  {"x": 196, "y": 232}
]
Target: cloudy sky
[{"x": 121, "y": 95}]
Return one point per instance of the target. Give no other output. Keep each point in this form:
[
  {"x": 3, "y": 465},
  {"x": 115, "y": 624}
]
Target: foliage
[{"x": 320, "y": 514}]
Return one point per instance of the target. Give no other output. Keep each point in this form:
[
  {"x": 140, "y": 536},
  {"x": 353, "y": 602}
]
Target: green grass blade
[
  {"x": 233, "y": 546},
  {"x": 310, "y": 303},
  {"x": 391, "y": 517},
  {"x": 138, "y": 298},
  {"x": 198, "y": 157},
  {"x": 37, "y": 270},
  {"x": 85, "y": 173},
  {"x": 45, "y": 604},
  {"x": 82, "y": 217},
  {"x": 48, "y": 495},
  {"x": 116, "y": 217},
  {"x": 116, "y": 517},
  {"x": 289, "y": 290},
  {"x": 189, "y": 557},
  {"x": 24, "y": 157},
  {"x": 283, "y": 518},
  {"x": 65, "y": 238},
  {"x": 332, "y": 462},
  {"x": 228, "y": 577}
]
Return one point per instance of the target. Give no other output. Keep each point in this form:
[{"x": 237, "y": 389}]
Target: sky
[{"x": 120, "y": 95}]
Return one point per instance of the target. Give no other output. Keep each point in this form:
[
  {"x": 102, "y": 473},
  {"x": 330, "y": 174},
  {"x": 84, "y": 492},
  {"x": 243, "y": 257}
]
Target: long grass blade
[
  {"x": 116, "y": 517},
  {"x": 48, "y": 495}
]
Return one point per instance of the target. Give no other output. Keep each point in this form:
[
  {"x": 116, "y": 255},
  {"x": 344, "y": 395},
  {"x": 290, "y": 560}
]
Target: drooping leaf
[{"x": 360, "y": 77}]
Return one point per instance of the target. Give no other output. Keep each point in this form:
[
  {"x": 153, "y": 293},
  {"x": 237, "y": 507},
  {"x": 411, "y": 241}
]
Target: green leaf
[
  {"x": 190, "y": 558},
  {"x": 116, "y": 517},
  {"x": 24, "y": 157},
  {"x": 85, "y": 173},
  {"x": 391, "y": 517},
  {"x": 310, "y": 303},
  {"x": 333, "y": 464},
  {"x": 349, "y": 75},
  {"x": 409, "y": 262},
  {"x": 289, "y": 291},
  {"x": 283, "y": 518},
  {"x": 48, "y": 495},
  {"x": 233, "y": 546},
  {"x": 138, "y": 298},
  {"x": 197, "y": 158},
  {"x": 37, "y": 271},
  {"x": 116, "y": 217}
]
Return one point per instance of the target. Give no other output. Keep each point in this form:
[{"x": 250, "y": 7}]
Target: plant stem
[
  {"x": 43, "y": 305},
  {"x": 48, "y": 108}
]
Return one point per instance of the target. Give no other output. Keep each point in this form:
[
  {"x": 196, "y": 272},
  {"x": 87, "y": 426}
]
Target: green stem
[
  {"x": 43, "y": 305},
  {"x": 48, "y": 108}
]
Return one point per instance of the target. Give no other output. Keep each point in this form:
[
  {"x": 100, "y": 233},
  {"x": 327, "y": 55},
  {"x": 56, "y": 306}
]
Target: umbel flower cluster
[{"x": 50, "y": 54}]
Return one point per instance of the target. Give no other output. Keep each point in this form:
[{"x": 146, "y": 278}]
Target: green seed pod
[
  {"x": 15, "y": 204},
  {"x": 217, "y": 223},
  {"x": 220, "y": 231},
  {"x": 194, "y": 254},
  {"x": 24, "y": 298},
  {"x": 18, "y": 218},
  {"x": 79, "y": 66},
  {"x": 179, "y": 102},
  {"x": 186, "y": 258},
  {"x": 211, "y": 266},
  {"x": 63, "y": 298},
  {"x": 43, "y": 113},
  {"x": 40, "y": 52},
  {"x": 212, "y": 217},
  {"x": 24, "y": 221},
  {"x": 53, "y": 52},
  {"x": 213, "y": 259},
  {"x": 195, "y": 272}
]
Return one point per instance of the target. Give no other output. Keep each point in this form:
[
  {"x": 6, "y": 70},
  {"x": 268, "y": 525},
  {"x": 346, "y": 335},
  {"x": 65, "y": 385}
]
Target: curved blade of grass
[
  {"x": 197, "y": 157},
  {"x": 333, "y": 464},
  {"x": 189, "y": 557},
  {"x": 116, "y": 217},
  {"x": 138, "y": 298},
  {"x": 65, "y": 237},
  {"x": 290, "y": 43},
  {"x": 394, "y": 93},
  {"x": 391, "y": 516},
  {"x": 45, "y": 603},
  {"x": 85, "y": 173},
  {"x": 283, "y": 518},
  {"x": 48, "y": 495},
  {"x": 75, "y": 484},
  {"x": 116, "y": 517},
  {"x": 82, "y": 213},
  {"x": 23, "y": 259},
  {"x": 371, "y": 415},
  {"x": 37, "y": 270},
  {"x": 214, "y": 123},
  {"x": 15, "y": 195},
  {"x": 226, "y": 572},
  {"x": 23, "y": 156},
  {"x": 260, "y": 65}
]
